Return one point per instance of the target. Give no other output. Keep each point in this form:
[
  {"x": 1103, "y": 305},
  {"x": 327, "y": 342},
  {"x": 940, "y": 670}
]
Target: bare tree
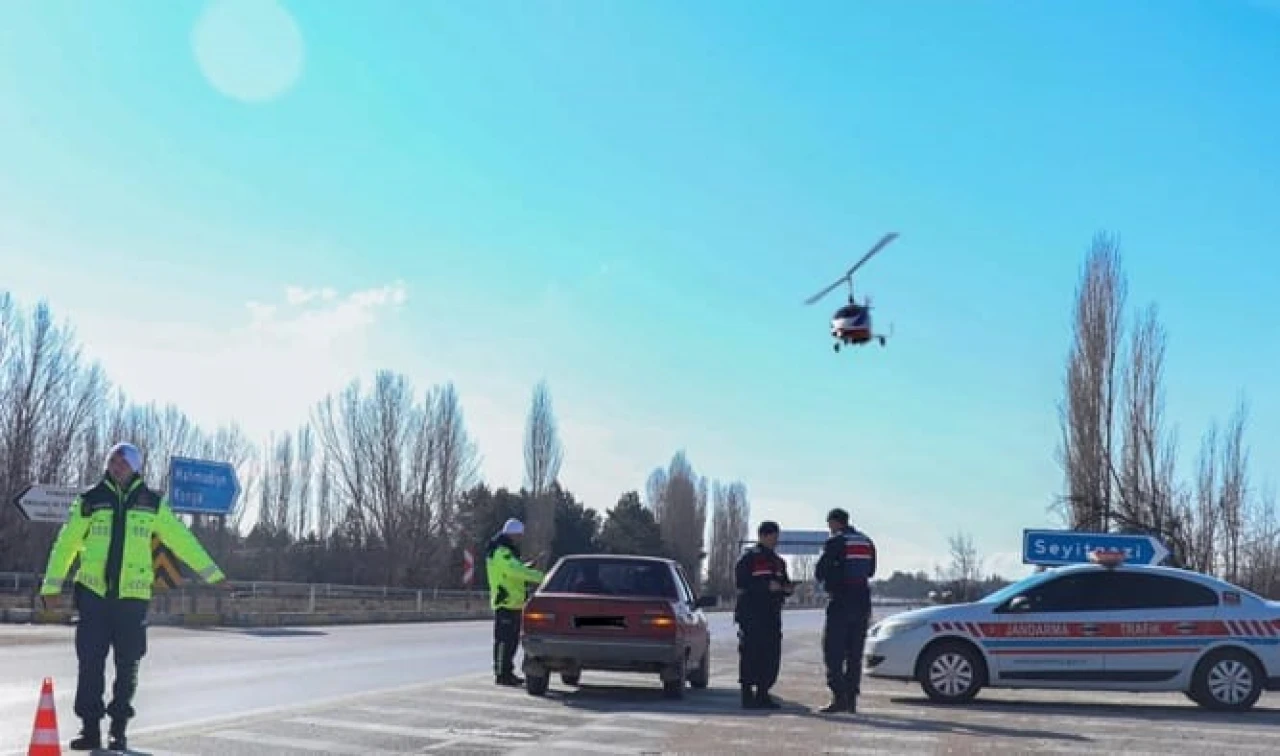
[
  {"x": 681, "y": 517},
  {"x": 326, "y": 502},
  {"x": 267, "y": 499},
  {"x": 966, "y": 565},
  {"x": 655, "y": 490},
  {"x": 282, "y": 477},
  {"x": 1262, "y": 552},
  {"x": 371, "y": 442},
  {"x": 543, "y": 454},
  {"x": 1233, "y": 490},
  {"x": 457, "y": 463},
  {"x": 802, "y": 566},
  {"x": 303, "y": 514},
  {"x": 1147, "y": 489},
  {"x": 1087, "y": 413},
  {"x": 1200, "y": 511},
  {"x": 340, "y": 424},
  {"x": 732, "y": 513},
  {"x": 47, "y": 396}
]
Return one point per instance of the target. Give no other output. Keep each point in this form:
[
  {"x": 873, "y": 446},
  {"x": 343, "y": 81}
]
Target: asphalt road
[{"x": 427, "y": 688}]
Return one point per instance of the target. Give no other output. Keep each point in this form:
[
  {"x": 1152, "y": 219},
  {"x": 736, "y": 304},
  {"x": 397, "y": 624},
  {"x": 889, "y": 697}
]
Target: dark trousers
[
  {"x": 759, "y": 650},
  {"x": 506, "y": 639},
  {"x": 843, "y": 637},
  {"x": 116, "y": 625}
]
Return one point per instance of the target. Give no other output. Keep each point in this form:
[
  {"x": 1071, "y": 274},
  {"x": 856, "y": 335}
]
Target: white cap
[
  {"x": 513, "y": 527},
  {"x": 130, "y": 454}
]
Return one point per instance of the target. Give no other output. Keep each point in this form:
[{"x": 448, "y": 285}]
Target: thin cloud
[{"x": 265, "y": 372}]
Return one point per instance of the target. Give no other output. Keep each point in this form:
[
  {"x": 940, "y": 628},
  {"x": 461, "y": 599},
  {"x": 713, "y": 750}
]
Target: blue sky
[{"x": 633, "y": 199}]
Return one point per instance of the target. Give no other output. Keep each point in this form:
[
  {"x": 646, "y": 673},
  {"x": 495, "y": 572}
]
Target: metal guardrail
[{"x": 20, "y": 589}]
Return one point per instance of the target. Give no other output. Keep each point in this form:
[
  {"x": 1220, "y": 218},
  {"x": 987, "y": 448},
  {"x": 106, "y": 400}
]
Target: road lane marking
[{"x": 301, "y": 744}]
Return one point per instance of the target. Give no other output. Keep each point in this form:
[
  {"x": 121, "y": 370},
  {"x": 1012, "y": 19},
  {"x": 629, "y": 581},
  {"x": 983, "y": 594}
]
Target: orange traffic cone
[{"x": 44, "y": 736}]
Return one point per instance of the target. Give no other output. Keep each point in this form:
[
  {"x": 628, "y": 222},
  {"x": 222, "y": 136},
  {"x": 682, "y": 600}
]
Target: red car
[{"x": 617, "y": 613}]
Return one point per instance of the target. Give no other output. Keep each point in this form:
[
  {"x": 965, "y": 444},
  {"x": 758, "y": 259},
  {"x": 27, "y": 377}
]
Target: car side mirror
[{"x": 704, "y": 602}]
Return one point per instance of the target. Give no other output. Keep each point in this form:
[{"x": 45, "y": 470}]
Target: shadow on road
[
  {"x": 909, "y": 724},
  {"x": 264, "y": 632},
  {"x": 1149, "y": 712},
  {"x": 718, "y": 702}
]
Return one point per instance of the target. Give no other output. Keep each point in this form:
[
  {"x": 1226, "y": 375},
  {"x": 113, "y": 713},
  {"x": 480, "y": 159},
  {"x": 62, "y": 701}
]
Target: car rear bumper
[{"x": 565, "y": 652}]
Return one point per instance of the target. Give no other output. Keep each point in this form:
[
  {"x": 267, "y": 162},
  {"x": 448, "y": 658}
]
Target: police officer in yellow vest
[
  {"x": 508, "y": 578},
  {"x": 109, "y": 527}
]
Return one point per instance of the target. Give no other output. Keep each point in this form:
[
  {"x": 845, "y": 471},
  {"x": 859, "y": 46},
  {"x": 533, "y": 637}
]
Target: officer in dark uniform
[
  {"x": 845, "y": 569},
  {"x": 763, "y": 587}
]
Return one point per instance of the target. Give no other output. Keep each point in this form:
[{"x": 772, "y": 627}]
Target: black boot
[
  {"x": 853, "y": 705},
  {"x": 510, "y": 680},
  {"x": 838, "y": 704},
  {"x": 90, "y": 738},
  {"x": 118, "y": 741},
  {"x": 748, "y": 697},
  {"x": 765, "y": 701}
]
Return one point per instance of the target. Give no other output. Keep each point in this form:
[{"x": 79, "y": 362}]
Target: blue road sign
[
  {"x": 201, "y": 486},
  {"x": 1062, "y": 547},
  {"x": 797, "y": 542},
  {"x": 802, "y": 542}
]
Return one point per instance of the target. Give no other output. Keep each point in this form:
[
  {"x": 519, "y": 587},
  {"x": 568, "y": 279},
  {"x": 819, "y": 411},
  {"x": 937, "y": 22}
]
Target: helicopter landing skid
[{"x": 835, "y": 346}]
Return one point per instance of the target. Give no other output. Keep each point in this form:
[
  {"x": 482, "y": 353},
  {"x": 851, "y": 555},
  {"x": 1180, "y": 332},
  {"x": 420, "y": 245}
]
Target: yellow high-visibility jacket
[{"x": 110, "y": 528}]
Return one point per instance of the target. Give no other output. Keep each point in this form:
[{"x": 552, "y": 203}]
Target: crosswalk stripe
[
  {"x": 549, "y": 710},
  {"x": 621, "y": 729},
  {"x": 486, "y": 737},
  {"x": 301, "y": 744},
  {"x": 470, "y": 718},
  {"x": 579, "y": 745}
]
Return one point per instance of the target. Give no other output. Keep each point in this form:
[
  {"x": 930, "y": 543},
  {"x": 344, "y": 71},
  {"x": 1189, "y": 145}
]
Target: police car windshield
[
  {"x": 1013, "y": 589},
  {"x": 613, "y": 577}
]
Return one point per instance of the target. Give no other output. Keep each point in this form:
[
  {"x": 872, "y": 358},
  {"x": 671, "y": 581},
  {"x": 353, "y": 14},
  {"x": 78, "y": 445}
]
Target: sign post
[{"x": 1056, "y": 548}]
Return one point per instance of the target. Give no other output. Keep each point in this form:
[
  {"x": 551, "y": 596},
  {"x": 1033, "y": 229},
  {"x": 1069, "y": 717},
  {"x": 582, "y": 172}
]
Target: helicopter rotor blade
[
  {"x": 884, "y": 241},
  {"x": 824, "y": 292}
]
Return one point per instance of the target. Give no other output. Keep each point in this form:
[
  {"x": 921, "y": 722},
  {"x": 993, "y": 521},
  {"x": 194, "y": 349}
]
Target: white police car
[{"x": 1101, "y": 626}]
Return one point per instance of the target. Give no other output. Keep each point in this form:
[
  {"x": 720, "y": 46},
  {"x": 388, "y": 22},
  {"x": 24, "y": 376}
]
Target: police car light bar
[{"x": 1107, "y": 557}]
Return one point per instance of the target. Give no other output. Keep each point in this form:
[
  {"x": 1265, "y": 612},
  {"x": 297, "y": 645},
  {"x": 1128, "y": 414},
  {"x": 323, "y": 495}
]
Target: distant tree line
[
  {"x": 1119, "y": 457},
  {"x": 380, "y": 487}
]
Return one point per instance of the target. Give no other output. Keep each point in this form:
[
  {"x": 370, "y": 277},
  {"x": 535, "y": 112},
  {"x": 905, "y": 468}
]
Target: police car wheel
[
  {"x": 950, "y": 673},
  {"x": 1227, "y": 680},
  {"x": 536, "y": 685}
]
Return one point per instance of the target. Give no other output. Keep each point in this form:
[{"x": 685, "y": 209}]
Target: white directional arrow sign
[{"x": 45, "y": 503}]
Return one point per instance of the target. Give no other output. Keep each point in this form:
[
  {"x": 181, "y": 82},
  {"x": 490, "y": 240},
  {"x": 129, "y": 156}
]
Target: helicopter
[{"x": 851, "y": 324}]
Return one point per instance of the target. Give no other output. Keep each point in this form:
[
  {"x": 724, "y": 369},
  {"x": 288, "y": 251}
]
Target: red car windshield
[{"x": 613, "y": 577}]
